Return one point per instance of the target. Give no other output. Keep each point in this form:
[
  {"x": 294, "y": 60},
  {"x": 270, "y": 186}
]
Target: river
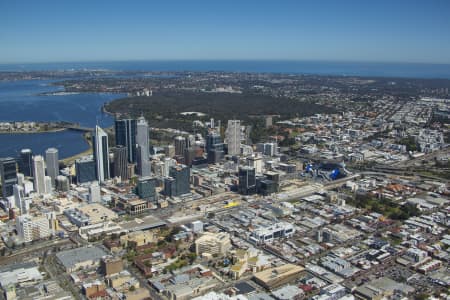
[{"x": 22, "y": 101}]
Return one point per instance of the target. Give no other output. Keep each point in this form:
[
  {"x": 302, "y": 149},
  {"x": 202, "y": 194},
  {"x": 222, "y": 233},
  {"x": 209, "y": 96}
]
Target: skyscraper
[
  {"x": 213, "y": 138},
  {"x": 146, "y": 188},
  {"x": 51, "y": 160},
  {"x": 101, "y": 154},
  {"x": 26, "y": 162},
  {"x": 144, "y": 167},
  {"x": 247, "y": 180},
  {"x": 8, "y": 175},
  {"x": 126, "y": 136},
  {"x": 233, "y": 137},
  {"x": 19, "y": 196},
  {"x": 120, "y": 162},
  {"x": 94, "y": 193},
  {"x": 39, "y": 174},
  {"x": 85, "y": 169},
  {"x": 142, "y": 139},
  {"x": 180, "y": 145},
  {"x": 181, "y": 174}
]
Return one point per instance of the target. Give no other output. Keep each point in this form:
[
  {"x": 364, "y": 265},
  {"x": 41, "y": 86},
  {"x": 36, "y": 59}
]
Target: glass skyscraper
[
  {"x": 126, "y": 136},
  {"x": 8, "y": 175},
  {"x": 101, "y": 154}
]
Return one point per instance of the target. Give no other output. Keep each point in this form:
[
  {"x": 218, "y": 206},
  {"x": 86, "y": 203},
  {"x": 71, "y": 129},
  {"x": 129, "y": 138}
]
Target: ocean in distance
[{"x": 410, "y": 70}]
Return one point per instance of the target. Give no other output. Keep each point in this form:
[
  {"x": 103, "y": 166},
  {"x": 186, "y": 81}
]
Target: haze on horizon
[{"x": 351, "y": 30}]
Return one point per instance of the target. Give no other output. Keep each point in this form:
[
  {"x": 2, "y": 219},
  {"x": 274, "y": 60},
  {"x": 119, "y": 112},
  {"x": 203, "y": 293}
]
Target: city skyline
[{"x": 403, "y": 31}]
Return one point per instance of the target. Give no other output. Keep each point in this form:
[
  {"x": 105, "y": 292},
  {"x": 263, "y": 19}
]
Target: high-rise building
[
  {"x": 142, "y": 140},
  {"x": 85, "y": 169},
  {"x": 39, "y": 174},
  {"x": 51, "y": 161},
  {"x": 247, "y": 181},
  {"x": 181, "y": 175},
  {"x": 146, "y": 188},
  {"x": 62, "y": 183},
  {"x": 48, "y": 185},
  {"x": 101, "y": 154},
  {"x": 180, "y": 145},
  {"x": 189, "y": 155},
  {"x": 213, "y": 138},
  {"x": 126, "y": 136},
  {"x": 190, "y": 141},
  {"x": 19, "y": 195},
  {"x": 8, "y": 175},
  {"x": 94, "y": 193},
  {"x": 233, "y": 137},
  {"x": 143, "y": 165},
  {"x": 26, "y": 162},
  {"x": 121, "y": 162},
  {"x": 169, "y": 151}
]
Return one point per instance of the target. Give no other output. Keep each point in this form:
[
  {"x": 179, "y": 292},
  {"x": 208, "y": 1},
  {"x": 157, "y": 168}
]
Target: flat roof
[
  {"x": 145, "y": 223},
  {"x": 72, "y": 257}
]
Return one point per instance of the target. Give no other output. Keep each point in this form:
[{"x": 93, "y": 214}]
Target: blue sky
[{"x": 337, "y": 30}]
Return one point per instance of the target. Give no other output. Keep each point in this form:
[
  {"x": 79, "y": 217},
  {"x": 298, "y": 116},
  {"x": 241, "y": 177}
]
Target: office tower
[
  {"x": 121, "y": 162},
  {"x": 62, "y": 183},
  {"x": 48, "y": 185},
  {"x": 85, "y": 169},
  {"x": 126, "y": 136},
  {"x": 169, "y": 151},
  {"x": 255, "y": 162},
  {"x": 146, "y": 188},
  {"x": 20, "y": 179},
  {"x": 19, "y": 195},
  {"x": 51, "y": 161},
  {"x": 101, "y": 154},
  {"x": 189, "y": 155},
  {"x": 190, "y": 141},
  {"x": 26, "y": 162},
  {"x": 94, "y": 193},
  {"x": 181, "y": 174},
  {"x": 247, "y": 181},
  {"x": 168, "y": 162},
  {"x": 143, "y": 163},
  {"x": 142, "y": 140},
  {"x": 212, "y": 139},
  {"x": 170, "y": 187},
  {"x": 233, "y": 137},
  {"x": 180, "y": 145},
  {"x": 39, "y": 174},
  {"x": 8, "y": 175}
]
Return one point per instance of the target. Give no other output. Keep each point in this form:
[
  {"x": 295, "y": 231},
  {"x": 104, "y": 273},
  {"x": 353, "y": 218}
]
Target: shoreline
[
  {"x": 71, "y": 159},
  {"x": 33, "y": 132}
]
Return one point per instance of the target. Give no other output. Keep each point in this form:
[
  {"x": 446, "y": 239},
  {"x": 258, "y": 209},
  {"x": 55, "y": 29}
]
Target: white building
[
  {"x": 256, "y": 162},
  {"x": 32, "y": 228},
  {"x": 272, "y": 232},
  {"x": 48, "y": 185},
  {"x": 39, "y": 174},
  {"x": 101, "y": 154},
  {"x": 94, "y": 193},
  {"x": 233, "y": 137},
  {"x": 213, "y": 243}
]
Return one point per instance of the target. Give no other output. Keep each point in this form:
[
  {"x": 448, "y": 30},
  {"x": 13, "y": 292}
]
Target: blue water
[
  {"x": 411, "y": 70},
  {"x": 68, "y": 143},
  {"x": 20, "y": 101}
]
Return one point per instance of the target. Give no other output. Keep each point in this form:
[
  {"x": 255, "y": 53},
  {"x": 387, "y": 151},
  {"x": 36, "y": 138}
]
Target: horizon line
[{"x": 225, "y": 60}]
